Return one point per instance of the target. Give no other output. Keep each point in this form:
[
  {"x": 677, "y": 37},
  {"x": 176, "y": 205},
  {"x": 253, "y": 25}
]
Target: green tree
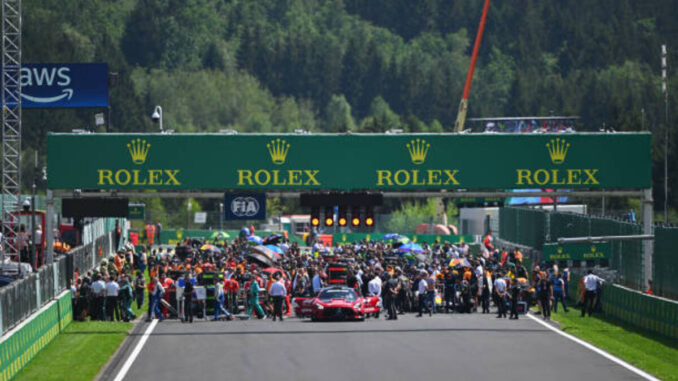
[{"x": 338, "y": 116}]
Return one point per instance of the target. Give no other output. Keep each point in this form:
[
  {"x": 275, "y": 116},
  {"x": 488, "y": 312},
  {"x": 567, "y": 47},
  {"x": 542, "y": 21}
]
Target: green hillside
[{"x": 337, "y": 65}]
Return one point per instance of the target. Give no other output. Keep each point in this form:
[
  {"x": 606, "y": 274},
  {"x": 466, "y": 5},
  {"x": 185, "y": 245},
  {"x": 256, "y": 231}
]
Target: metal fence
[
  {"x": 21, "y": 298},
  {"x": 643, "y": 311},
  {"x": 665, "y": 274},
  {"x": 534, "y": 227}
]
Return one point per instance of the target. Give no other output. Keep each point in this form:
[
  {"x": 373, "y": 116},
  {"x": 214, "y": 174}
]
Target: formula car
[{"x": 336, "y": 302}]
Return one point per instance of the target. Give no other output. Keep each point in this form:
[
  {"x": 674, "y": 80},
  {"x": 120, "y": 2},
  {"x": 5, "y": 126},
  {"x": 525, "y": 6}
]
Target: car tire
[{"x": 313, "y": 318}]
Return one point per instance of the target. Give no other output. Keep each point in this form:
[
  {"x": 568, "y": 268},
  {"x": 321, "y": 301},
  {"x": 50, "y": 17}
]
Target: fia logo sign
[{"x": 245, "y": 206}]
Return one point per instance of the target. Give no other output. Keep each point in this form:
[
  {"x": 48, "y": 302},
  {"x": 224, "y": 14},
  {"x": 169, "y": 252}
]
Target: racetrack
[{"x": 461, "y": 347}]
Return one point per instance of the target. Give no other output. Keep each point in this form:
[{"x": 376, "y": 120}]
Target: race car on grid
[{"x": 336, "y": 303}]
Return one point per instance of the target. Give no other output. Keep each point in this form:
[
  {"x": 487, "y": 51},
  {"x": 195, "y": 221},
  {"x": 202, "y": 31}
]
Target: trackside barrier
[
  {"x": 665, "y": 275},
  {"x": 24, "y": 342},
  {"x": 642, "y": 311},
  {"x": 21, "y": 298},
  {"x": 534, "y": 227}
]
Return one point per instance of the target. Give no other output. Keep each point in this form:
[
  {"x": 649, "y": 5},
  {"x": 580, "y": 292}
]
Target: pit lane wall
[{"x": 19, "y": 346}]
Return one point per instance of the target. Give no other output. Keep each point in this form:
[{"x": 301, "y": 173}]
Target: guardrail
[
  {"x": 640, "y": 310},
  {"x": 21, "y": 298}
]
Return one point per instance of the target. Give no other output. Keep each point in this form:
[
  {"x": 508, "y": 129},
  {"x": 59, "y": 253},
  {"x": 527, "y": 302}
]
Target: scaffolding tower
[{"x": 11, "y": 124}]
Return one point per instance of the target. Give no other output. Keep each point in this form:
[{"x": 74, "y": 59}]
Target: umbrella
[
  {"x": 219, "y": 235},
  {"x": 265, "y": 251},
  {"x": 394, "y": 236},
  {"x": 402, "y": 239},
  {"x": 255, "y": 240},
  {"x": 272, "y": 239},
  {"x": 260, "y": 258},
  {"x": 210, "y": 248},
  {"x": 275, "y": 249},
  {"x": 463, "y": 262},
  {"x": 410, "y": 247}
]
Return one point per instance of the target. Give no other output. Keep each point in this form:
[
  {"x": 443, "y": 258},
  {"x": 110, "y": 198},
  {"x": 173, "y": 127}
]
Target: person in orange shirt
[
  {"x": 467, "y": 274},
  {"x": 117, "y": 261},
  {"x": 150, "y": 234}
]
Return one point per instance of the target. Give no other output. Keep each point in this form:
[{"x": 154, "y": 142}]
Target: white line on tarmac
[
  {"x": 133, "y": 356},
  {"x": 599, "y": 351}
]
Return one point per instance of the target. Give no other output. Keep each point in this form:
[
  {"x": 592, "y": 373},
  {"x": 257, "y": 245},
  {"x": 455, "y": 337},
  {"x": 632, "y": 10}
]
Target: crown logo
[
  {"x": 593, "y": 249},
  {"x": 138, "y": 149},
  {"x": 278, "y": 149},
  {"x": 558, "y": 150},
  {"x": 418, "y": 149},
  {"x": 560, "y": 250}
]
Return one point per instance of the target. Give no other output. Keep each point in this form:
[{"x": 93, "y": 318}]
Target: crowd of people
[
  {"x": 527, "y": 126},
  {"x": 441, "y": 278}
]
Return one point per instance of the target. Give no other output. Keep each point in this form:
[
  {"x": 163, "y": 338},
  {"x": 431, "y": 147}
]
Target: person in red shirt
[
  {"x": 167, "y": 283},
  {"x": 231, "y": 288},
  {"x": 649, "y": 288}
]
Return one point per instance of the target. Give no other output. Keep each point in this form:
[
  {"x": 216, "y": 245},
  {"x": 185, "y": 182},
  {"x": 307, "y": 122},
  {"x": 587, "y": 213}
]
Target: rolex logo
[
  {"x": 558, "y": 150},
  {"x": 278, "y": 149},
  {"x": 418, "y": 149},
  {"x": 138, "y": 149}
]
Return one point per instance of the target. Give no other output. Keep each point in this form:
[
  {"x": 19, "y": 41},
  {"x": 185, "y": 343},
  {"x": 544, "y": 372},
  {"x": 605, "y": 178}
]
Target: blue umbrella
[
  {"x": 392, "y": 236},
  {"x": 255, "y": 239},
  {"x": 275, "y": 249},
  {"x": 410, "y": 247}
]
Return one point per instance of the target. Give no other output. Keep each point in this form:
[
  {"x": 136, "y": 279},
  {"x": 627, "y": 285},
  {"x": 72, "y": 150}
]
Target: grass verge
[
  {"x": 78, "y": 353},
  {"x": 652, "y": 353}
]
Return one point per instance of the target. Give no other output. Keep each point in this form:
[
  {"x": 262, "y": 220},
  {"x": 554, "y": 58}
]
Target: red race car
[{"x": 336, "y": 302}]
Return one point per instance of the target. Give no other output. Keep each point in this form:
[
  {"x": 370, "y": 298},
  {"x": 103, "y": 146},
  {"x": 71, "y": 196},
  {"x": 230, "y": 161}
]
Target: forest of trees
[{"x": 359, "y": 65}]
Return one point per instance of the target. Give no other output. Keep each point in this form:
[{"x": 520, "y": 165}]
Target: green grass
[
  {"x": 652, "y": 353},
  {"x": 78, "y": 353}
]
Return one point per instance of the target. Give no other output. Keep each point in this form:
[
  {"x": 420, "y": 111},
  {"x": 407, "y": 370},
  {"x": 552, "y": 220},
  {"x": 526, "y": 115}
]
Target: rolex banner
[
  {"x": 577, "y": 251},
  {"x": 348, "y": 162}
]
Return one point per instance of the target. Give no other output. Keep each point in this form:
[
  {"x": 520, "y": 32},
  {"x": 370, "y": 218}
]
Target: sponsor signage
[
  {"x": 136, "y": 211},
  {"x": 200, "y": 217},
  {"x": 245, "y": 206},
  {"x": 577, "y": 251},
  {"x": 64, "y": 85},
  {"x": 349, "y": 162}
]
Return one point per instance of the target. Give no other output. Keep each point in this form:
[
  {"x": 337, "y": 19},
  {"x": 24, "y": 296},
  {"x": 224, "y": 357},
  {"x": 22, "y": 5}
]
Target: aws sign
[{"x": 65, "y": 85}]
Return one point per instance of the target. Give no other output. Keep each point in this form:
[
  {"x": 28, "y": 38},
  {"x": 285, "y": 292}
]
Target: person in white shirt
[
  {"x": 591, "y": 291},
  {"x": 99, "y": 293},
  {"x": 421, "y": 290},
  {"x": 112, "y": 310},
  {"x": 500, "y": 289},
  {"x": 374, "y": 289},
  {"x": 278, "y": 293},
  {"x": 316, "y": 283},
  {"x": 374, "y": 286}
]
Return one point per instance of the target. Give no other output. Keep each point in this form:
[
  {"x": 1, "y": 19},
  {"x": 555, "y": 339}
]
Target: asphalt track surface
[{"x": 459, "y": 347}]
